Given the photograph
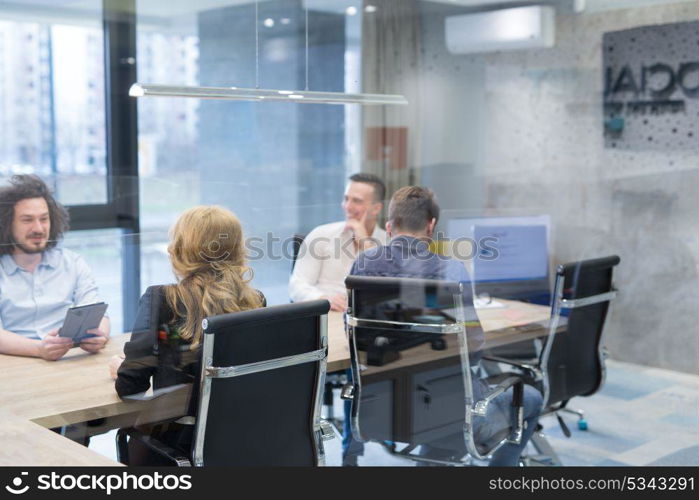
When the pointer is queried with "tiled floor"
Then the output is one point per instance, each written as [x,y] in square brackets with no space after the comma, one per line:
[642,416]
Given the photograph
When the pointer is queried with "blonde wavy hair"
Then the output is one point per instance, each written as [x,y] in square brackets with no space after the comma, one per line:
[207,253]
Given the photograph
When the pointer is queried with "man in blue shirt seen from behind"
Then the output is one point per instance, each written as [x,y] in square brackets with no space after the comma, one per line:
[39,282]
[413,213]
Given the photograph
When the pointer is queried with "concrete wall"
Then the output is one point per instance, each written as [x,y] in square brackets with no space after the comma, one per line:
[529,126]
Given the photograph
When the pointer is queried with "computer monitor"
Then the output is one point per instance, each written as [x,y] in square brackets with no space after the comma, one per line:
[511,258]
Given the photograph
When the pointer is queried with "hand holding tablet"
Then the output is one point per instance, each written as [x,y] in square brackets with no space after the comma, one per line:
[81,319]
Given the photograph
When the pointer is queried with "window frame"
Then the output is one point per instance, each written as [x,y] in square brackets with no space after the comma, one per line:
[121,128]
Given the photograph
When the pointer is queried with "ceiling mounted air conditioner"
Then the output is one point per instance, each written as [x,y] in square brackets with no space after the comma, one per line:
[505,29]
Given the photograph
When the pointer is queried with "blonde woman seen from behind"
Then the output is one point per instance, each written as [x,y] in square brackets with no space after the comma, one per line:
[207,253]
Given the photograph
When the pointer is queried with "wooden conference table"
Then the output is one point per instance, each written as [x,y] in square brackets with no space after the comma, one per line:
[36,395]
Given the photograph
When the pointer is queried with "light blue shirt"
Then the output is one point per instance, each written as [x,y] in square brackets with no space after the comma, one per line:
[32,304]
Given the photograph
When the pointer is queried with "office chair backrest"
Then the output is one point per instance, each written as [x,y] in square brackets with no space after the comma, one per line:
[260,387]
[380,310]
[575,365]
[392,297]
[296,242]
[412,362]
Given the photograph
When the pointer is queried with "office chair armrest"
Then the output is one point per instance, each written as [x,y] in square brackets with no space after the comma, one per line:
[161,449]
[480,407]
[534,370]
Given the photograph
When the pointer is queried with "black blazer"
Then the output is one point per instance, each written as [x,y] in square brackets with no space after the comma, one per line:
[150,353]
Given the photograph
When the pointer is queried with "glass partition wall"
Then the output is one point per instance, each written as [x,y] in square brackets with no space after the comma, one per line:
[564,135]
[517,136]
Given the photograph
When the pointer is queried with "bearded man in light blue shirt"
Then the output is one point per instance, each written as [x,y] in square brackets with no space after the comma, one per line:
[38,281]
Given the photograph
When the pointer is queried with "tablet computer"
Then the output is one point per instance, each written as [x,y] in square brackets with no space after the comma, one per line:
[81,319]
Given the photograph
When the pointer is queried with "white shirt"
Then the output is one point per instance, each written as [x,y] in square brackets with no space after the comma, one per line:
[324,261]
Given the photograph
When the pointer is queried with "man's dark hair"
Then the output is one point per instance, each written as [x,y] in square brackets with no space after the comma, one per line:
[412,208]
[376,183]
[24,187]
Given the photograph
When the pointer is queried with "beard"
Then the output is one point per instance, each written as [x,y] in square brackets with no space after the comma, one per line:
[31,249]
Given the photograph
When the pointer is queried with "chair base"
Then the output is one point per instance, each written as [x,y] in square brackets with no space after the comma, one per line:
[407,452]
[546,456]
[134,448]
[404,450]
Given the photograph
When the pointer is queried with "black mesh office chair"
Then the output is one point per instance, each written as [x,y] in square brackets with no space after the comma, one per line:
[260,390]
[416,380]
[571,363]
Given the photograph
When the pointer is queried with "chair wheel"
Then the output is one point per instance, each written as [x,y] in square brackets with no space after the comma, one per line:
[582,424]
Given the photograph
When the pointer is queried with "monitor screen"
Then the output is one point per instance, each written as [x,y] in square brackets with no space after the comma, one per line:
[509,248]
[514,253]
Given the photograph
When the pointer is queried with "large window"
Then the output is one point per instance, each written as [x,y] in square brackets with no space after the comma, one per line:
[64,117]
[52,95]
[280,167]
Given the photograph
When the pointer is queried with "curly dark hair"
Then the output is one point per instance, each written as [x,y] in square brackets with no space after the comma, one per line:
[22,187]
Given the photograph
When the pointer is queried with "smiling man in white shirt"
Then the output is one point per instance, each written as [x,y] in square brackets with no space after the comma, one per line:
[328,252]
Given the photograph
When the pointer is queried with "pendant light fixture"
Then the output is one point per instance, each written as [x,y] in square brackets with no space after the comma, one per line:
[258,94]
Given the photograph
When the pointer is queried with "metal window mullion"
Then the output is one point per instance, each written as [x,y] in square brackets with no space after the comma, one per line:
[119,22]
